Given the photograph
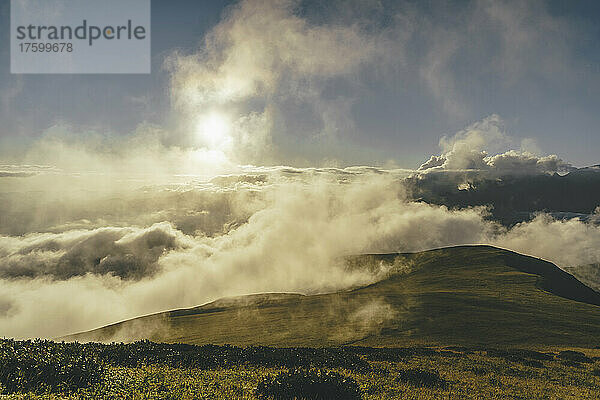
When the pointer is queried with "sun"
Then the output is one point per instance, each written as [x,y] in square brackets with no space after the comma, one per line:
[213,130]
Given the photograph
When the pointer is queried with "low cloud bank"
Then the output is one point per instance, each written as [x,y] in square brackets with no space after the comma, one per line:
[128,253]
[466,150]
[277,229]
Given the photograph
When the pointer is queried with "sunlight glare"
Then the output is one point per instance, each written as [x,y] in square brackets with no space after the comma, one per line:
[214,130]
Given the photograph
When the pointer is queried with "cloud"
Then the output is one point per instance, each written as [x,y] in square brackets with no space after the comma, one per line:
[283,85]
[123,272]
[280,229]
[497,44]
[466,150]
[144,152]
[24,171]
[289,82]
[515,162]
[124,252]
[269,70]
[569,243]
[5,174]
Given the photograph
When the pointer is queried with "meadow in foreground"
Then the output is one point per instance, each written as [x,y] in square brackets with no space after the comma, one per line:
[146,370]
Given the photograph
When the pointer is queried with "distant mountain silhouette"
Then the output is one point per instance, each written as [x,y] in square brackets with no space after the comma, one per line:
[513,198]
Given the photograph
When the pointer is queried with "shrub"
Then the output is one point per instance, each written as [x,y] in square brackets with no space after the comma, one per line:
[528,363]
[33,367]
[577,356]
[479,371]
[309,385]
[422,378]
[393,354]
[570,363]
[515,354]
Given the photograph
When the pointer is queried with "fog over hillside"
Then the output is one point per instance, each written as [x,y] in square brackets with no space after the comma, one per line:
[94,247]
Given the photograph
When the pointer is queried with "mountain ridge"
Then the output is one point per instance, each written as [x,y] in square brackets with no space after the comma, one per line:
[455,295]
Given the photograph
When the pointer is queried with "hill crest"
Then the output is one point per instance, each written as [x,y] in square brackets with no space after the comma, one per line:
[451,296]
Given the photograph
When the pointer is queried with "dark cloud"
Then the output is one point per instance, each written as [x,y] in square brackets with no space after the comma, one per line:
[123,252]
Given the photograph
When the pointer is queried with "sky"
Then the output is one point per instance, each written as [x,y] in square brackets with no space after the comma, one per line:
[423,69]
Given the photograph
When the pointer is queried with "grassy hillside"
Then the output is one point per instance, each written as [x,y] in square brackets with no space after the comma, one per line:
[468,295]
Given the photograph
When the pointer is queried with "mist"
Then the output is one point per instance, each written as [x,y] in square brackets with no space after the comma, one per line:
[275,229]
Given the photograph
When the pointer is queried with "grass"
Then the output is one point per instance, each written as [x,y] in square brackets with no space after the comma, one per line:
[405,373]
[468,295]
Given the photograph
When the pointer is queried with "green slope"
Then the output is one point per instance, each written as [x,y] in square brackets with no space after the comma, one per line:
[468,295]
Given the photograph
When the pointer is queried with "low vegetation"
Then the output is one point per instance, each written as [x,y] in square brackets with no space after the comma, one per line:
[37,367]
[147,370]
[422,378]
[310,385]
